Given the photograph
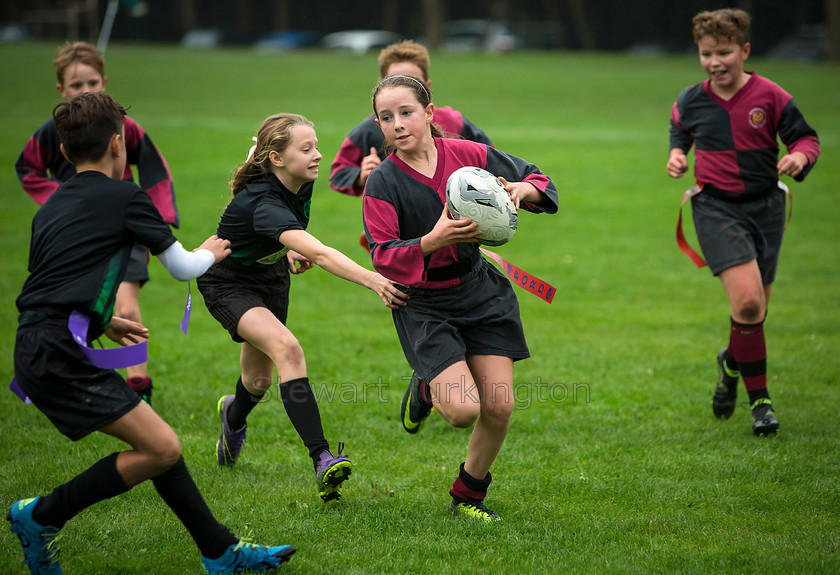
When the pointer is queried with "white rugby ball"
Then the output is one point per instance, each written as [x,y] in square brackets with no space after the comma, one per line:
[477,194]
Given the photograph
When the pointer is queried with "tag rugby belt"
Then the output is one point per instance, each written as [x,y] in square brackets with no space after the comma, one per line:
[699,187]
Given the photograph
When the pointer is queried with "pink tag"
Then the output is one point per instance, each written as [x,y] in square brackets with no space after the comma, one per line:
[543,290]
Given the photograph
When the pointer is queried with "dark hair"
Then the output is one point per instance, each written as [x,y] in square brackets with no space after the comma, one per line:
[274,135]
[86,124]
[732,23]
[418,88]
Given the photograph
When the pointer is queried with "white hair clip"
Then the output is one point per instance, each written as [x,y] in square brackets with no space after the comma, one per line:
[251,151]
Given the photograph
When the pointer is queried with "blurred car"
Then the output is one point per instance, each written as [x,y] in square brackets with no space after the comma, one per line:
[360,41]
[809,43]
[288,40]
[477,34]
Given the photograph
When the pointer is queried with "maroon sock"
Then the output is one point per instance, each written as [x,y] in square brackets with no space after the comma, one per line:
[425,394]
[139,384]
[747,347]
[468,488]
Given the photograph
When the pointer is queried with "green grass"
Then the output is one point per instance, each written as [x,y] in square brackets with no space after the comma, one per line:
[614,462]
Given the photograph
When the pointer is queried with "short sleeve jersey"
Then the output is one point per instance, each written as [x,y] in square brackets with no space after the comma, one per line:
[735,140]
[401,205]
[346,166]
[81,240]
[258,214]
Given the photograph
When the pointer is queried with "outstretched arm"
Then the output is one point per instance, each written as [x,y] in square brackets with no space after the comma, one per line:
[184,265]
[341,266]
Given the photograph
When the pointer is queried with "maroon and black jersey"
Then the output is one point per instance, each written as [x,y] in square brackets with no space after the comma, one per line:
[735,146]
[401,205]
[41,167]
[346,167]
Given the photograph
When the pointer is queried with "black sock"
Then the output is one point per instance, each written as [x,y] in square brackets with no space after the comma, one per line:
[729,361]
[98,482]
[302,409]
[469,488]
[756,394]
[178,490]
[243,403]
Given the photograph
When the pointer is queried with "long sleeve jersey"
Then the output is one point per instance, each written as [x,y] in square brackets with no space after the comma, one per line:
[401,205]
[42,168]
[346,167]
[735,146]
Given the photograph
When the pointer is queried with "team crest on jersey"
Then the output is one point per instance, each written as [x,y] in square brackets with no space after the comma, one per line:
[758,117]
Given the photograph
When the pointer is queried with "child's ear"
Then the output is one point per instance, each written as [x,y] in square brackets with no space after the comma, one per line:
[430,112]
[275,158]
[64,152]
[60,88]
[114,145]
[746,48]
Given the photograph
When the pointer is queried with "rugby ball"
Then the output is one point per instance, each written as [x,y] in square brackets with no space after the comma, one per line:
[477,194]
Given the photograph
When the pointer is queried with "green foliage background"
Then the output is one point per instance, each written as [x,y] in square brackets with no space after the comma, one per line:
[614,462]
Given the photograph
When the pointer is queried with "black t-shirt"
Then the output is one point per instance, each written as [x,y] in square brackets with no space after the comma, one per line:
[257,215]
[81,240]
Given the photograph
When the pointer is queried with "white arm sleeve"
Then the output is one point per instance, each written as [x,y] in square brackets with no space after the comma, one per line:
[184,265]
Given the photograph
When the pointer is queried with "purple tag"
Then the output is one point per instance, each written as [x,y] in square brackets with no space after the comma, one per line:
[187,310]
[106,358]
[15,388]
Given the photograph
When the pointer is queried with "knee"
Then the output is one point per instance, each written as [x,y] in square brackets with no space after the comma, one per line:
[167,452]
[258,385]
[750,309]
[497,410]
[463,415]
[287,350]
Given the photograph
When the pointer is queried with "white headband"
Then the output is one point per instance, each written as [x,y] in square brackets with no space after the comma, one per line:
[416,80]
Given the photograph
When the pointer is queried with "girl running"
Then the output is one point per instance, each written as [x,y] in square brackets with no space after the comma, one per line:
[248,293]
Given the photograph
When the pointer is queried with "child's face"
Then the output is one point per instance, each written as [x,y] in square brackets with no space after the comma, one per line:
[80,78]
[404,121]
[723,61]
[300,158]
[405,69]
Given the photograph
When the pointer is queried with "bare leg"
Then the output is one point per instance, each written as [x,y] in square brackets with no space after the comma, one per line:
[127,305]
[488,404]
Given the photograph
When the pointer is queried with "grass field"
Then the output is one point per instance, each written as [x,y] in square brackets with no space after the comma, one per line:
[614,462]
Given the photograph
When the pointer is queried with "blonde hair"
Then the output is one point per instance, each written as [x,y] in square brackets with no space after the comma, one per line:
[732,23]
[275,135]
[73,52]
[406,51]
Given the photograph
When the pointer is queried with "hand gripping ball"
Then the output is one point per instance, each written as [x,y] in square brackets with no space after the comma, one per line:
[477,194]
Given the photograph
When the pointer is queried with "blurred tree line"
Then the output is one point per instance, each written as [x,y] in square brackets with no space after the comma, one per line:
[540,24]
